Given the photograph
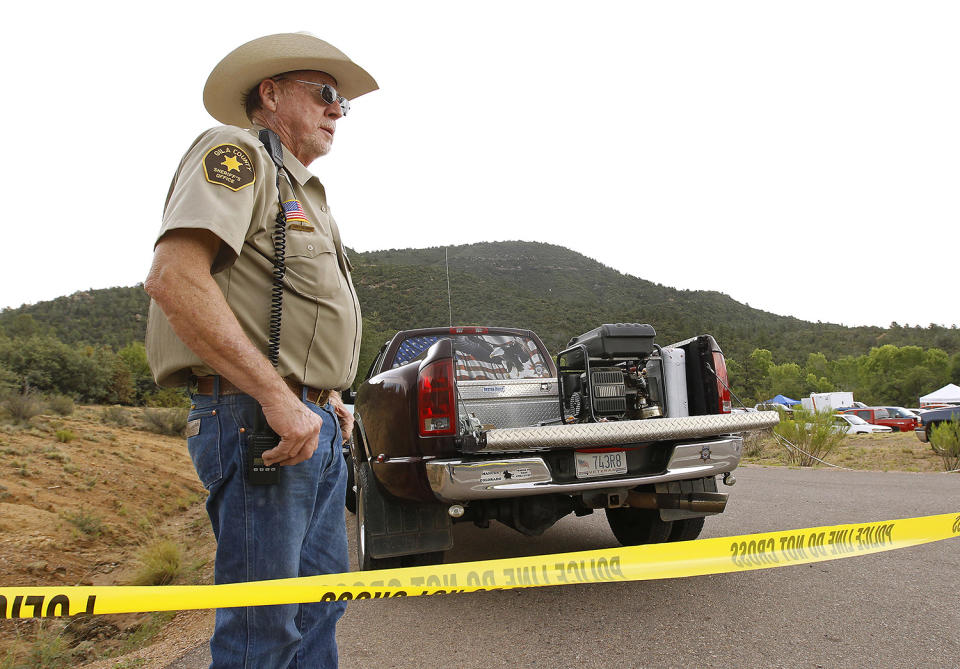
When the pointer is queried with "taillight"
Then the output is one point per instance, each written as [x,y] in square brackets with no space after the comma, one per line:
[469,330]
[723,384]
[435,400]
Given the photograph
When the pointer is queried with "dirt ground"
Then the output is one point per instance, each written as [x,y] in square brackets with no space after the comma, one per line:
[82,498]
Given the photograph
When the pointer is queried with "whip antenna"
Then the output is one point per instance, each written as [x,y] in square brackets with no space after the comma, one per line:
[446,264]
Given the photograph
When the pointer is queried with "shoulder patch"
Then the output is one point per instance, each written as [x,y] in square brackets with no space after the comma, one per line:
[229,166]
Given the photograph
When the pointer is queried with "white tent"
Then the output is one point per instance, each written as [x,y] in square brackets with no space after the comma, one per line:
[949,394]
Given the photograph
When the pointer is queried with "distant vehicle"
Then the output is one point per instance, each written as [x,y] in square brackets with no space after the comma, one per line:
[880,416]
[852,424]
[934,417]
[900,412]
[827,401]
[773,406]
[927,407]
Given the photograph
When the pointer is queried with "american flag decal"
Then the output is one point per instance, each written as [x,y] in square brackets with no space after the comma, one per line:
[294,211]
[468,368]
[501,353]
[412,349]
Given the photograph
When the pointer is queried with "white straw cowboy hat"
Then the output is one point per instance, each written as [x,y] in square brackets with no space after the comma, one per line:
[249,64]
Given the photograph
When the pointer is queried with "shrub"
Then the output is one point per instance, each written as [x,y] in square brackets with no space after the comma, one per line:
[945,442]
[168,397]
[8,381]
[166,421]
[754,443]
[65,436]
[88,523]
[22,406]
[51,650]
[116,415]
[810,436]
[160,564]
[61,404]
[52,453]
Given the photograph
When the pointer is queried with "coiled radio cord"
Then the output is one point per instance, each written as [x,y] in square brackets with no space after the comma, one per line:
[279,272]
[275,150]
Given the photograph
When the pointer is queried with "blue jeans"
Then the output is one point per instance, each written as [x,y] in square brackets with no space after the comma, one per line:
[294,528]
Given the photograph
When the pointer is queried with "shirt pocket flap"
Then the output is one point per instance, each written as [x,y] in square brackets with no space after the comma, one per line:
[312,269]
[308,246]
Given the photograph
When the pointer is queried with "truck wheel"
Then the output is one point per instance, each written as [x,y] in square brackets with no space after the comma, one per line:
[633,527]
[350,499]
[363,477]
[686,529]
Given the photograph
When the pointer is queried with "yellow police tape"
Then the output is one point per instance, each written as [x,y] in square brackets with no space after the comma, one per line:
[636,563]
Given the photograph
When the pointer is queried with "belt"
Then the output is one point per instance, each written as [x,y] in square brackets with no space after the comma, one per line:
[314,395]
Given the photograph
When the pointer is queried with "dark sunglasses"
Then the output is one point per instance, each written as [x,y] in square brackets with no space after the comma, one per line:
[327,93]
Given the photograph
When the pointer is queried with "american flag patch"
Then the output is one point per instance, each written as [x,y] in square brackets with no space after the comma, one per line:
[294,211]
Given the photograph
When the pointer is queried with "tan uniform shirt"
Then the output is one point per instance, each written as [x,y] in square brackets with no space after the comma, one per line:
[226,183]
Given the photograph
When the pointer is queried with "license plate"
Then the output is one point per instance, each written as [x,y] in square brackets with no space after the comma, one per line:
[590,465]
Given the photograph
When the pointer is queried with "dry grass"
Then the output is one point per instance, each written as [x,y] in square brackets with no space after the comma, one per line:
[171,422]
[893,451]
[160,564]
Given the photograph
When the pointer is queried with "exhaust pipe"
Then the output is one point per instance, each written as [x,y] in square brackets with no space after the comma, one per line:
[701,502]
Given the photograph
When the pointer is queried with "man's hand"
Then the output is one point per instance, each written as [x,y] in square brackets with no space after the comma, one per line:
[298,428]
[344,414]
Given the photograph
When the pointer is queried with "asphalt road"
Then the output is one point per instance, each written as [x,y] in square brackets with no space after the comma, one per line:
[894,609]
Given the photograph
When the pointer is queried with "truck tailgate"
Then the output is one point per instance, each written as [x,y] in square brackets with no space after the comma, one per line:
[549,437]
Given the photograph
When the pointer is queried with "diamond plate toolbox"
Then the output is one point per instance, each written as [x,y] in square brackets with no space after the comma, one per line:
[511,402]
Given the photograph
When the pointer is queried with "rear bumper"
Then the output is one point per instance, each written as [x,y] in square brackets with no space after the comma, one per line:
[465,480]
[921,433]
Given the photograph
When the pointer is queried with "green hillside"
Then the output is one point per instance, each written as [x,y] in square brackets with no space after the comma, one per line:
[550,289]
[560,293]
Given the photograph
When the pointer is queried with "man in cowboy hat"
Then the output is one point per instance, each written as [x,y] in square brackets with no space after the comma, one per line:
[211,281]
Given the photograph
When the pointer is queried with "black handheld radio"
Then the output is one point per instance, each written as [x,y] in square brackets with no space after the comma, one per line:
[264,438]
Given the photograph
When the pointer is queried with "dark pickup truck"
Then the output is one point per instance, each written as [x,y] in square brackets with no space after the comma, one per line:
[480,424]
[928,419]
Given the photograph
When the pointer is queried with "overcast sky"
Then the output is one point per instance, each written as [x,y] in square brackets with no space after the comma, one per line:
[802,157]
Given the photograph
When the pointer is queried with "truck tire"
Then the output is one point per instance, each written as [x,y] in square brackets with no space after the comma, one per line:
[633,527]
[686,529]
[350,499]
[365,561]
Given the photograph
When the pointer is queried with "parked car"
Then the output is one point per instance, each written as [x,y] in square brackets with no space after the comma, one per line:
[934,417]
[901,412]
[880,416]
[852,424]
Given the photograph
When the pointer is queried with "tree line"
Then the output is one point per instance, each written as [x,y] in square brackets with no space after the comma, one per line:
[88,374]
[95,336]
[887,375]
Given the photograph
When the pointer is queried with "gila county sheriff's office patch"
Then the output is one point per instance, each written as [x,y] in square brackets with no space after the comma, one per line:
[228,166]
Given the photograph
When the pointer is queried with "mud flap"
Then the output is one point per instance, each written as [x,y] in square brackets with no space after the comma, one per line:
[395,528]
